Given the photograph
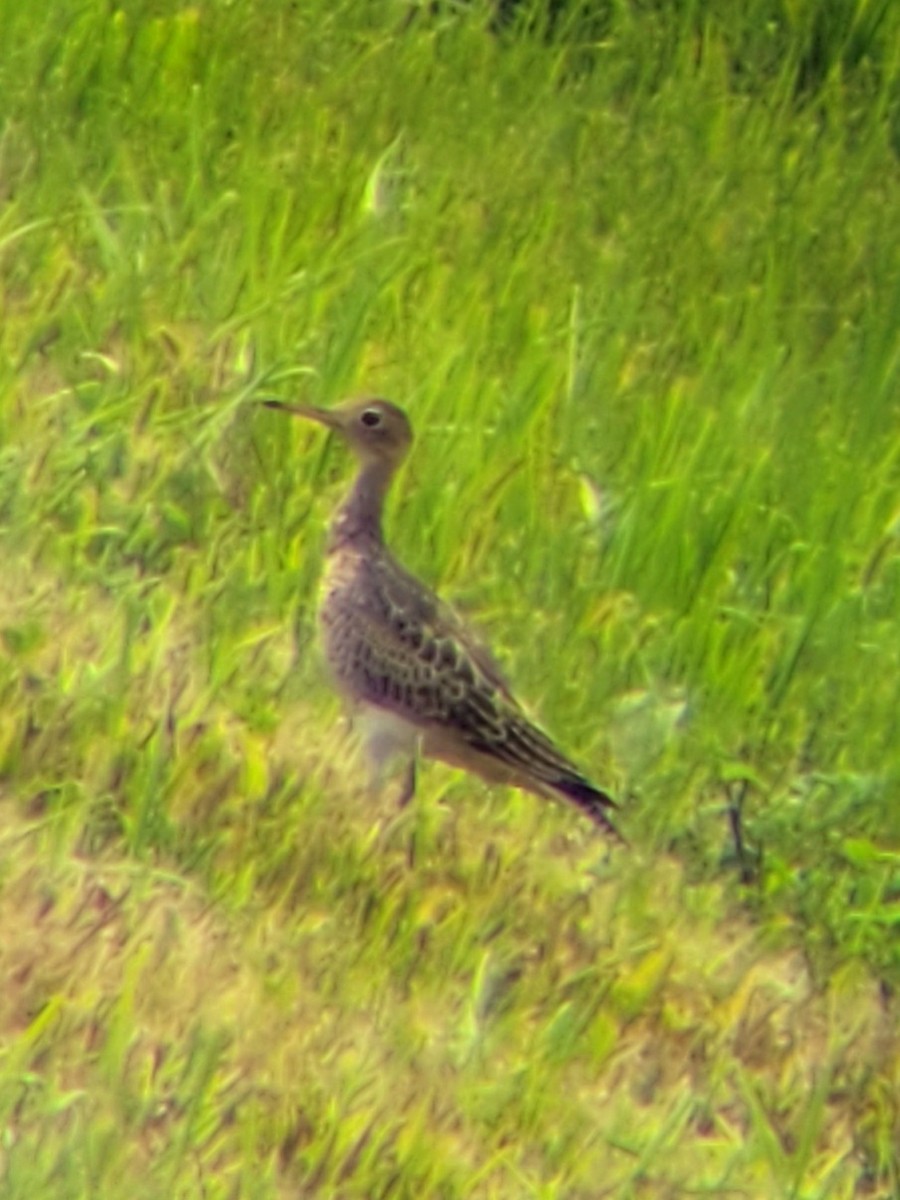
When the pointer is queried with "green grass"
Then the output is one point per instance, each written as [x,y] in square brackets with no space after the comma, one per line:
[640,295]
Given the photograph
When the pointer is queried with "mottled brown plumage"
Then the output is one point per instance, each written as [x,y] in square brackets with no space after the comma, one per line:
[402,658]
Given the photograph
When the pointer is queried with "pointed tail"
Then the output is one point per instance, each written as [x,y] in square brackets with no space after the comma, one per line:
[591,800]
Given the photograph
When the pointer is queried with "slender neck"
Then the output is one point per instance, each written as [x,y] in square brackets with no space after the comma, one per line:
[359,516]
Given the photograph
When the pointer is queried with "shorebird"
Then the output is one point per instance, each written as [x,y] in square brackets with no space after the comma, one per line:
[402,658]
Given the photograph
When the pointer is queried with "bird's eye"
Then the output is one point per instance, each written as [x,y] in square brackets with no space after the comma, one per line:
[371,417]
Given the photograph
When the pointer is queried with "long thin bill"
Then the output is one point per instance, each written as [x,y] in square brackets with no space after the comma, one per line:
[323,415]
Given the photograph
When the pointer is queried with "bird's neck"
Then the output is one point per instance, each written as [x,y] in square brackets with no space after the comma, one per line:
[359,517]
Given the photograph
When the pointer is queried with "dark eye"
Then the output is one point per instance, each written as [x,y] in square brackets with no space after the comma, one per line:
[371,417]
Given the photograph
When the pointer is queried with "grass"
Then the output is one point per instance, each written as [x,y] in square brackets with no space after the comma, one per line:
[640,296]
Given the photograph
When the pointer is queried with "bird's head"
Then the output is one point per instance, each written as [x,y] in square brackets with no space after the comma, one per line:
[375,430]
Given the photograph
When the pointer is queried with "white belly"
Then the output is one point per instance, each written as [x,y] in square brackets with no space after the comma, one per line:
[385,736]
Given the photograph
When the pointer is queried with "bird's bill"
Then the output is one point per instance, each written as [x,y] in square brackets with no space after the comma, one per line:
[324,416]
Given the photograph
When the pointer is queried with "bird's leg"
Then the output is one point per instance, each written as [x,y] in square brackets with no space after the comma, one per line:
[409,782]
[387,738]
[382,746]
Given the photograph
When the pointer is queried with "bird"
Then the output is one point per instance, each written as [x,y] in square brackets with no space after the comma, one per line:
[416,678]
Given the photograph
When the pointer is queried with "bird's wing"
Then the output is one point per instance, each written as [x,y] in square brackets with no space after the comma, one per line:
[409,659]
[417,658]
[410,603]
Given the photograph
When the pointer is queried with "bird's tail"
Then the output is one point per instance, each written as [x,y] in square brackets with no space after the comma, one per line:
[591,800]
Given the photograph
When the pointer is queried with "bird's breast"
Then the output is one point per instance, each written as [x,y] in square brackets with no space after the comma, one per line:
[348,621]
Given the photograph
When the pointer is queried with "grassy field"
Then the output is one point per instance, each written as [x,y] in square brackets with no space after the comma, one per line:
[639,289]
